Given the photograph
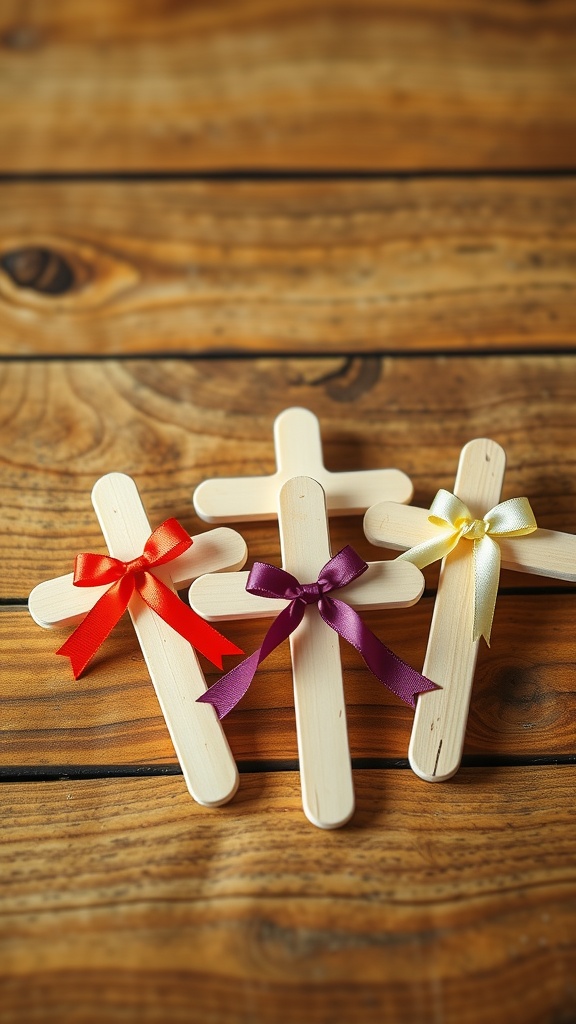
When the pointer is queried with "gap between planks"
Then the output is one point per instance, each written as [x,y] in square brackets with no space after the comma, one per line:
[80,772]
[214,354]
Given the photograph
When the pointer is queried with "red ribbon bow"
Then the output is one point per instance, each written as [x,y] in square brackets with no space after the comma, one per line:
[167,542]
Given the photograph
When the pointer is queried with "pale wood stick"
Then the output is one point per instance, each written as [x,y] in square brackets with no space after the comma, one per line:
[207,764]
[383,585]
[439,725]
[201,746]
[440,721]
[58,602]
[441,716]
[542,553]
[298,447]
[322,735]
[325,769]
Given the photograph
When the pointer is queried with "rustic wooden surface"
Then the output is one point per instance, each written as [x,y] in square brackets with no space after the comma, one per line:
[125,896]
[408,273]
[287,84]
[299,266]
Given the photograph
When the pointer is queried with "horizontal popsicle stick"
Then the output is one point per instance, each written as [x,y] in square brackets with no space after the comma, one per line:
[58,603]
[542,553]
[384,584]
[298,447]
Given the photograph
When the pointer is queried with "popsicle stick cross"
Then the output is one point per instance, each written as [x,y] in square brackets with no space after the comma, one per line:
[298,448]
[200,744]
[325,769]
[440,721]
[321,724]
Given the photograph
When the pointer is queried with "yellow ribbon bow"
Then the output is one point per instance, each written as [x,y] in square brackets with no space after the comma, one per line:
[513,518]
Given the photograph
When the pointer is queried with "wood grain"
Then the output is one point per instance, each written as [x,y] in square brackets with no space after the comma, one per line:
[135,267]
[123,898]
[523,699]
[291,84]
[171,424]
[120,899]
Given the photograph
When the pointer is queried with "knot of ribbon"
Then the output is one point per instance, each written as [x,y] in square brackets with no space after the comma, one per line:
[270,581]
[513,518]
[167,542]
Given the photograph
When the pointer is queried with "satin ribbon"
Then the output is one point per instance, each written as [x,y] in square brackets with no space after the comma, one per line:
[269,581]
[167,542]
[513,518]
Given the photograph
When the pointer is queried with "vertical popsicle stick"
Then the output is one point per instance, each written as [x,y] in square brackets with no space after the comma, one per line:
[298,448]
[439,728]
[325,769]
[440,720]
[201,746]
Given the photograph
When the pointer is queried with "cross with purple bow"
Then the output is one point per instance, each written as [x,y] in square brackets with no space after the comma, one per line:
[311,593]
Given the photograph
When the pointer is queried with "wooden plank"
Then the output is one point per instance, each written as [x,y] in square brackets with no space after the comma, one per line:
[135,267]
[523,699]
[121,898]
[174,423]
[287,85]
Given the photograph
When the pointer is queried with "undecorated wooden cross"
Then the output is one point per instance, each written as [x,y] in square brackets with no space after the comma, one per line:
[325,769]
[298,448]
[440,721]
[199,741]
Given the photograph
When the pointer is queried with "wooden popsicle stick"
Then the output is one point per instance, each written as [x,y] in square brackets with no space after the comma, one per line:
[325,769]
[383,585]
[58,603]
[440,721]
[298,448]
[327,792]
[207,764]
[390,525]
[439,724]
[542,553]
[439,727]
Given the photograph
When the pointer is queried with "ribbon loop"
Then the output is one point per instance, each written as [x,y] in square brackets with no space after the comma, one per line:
[95,570]
[267,581]
[512,518]
[167,542]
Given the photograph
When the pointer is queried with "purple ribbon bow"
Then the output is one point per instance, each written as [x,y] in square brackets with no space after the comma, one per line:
[270,581]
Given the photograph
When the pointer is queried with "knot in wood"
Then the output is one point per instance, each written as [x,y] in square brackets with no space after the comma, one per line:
[43,270]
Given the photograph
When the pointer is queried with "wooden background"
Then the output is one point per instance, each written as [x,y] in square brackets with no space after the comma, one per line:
[209,212]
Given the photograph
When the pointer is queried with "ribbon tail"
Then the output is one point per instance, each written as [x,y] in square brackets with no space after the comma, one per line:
[486,579]
[82,644]
[225,694]
[399,677]
[199,633]
[431,550]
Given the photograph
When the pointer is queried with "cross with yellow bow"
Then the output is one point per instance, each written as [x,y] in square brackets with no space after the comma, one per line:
[473,535]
